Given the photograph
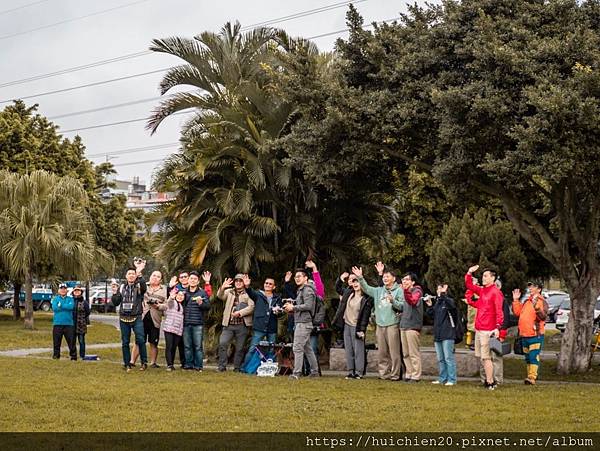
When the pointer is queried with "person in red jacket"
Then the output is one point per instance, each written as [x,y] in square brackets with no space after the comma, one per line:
[489,319]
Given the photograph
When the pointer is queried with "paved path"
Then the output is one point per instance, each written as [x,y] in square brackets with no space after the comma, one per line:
[30,351]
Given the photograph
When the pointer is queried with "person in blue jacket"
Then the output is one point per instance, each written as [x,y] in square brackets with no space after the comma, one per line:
[62,322]
[268,306]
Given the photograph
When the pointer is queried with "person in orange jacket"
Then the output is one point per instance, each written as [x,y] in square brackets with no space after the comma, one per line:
[532,314]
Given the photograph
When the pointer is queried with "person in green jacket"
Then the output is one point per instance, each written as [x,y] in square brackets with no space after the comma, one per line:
[386,319]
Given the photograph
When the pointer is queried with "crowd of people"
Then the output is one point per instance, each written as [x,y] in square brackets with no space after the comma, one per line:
[398,305]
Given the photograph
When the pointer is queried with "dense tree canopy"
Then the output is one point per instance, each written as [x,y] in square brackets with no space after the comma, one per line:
[496,98]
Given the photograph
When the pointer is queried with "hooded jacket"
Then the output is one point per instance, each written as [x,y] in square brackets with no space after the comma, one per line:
[384,313]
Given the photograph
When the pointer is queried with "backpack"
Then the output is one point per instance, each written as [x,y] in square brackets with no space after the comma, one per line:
[459,324]
[318,316]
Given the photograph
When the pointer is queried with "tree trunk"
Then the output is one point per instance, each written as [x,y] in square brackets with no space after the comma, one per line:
[17,301]
[28,302]
[575,352]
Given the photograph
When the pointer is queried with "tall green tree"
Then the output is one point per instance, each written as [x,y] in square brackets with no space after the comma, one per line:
[44,223]
[29,141]
[499,100]
[240,204]
[476,239]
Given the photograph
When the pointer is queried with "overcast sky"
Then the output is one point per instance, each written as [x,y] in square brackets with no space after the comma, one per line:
[32,45]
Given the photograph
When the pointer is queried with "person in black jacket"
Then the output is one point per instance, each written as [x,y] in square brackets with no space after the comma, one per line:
[267,307]
[352,316]
[445,320]
[81,315]
[195,306]
[130,296]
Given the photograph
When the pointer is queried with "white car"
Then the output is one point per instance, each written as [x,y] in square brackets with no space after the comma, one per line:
[562,316]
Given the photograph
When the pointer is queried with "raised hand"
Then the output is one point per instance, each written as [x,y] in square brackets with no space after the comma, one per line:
[206,275]
[310,264]
[516,294]
[173,281]
[246,279]
[357,271]
[227,283]
[344,276]
[288,276]
[139,265]
[473,269]
[379,266]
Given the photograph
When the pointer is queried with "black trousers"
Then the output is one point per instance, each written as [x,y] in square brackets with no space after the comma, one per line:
[69,333]
[181,351]
[171,345]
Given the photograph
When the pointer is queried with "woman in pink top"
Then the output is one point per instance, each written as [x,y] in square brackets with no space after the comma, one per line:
[173,324]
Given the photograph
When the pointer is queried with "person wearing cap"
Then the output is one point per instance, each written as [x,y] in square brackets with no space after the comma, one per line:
[532,313]
[237,318]
[62,322]
[129,297]
[81,315]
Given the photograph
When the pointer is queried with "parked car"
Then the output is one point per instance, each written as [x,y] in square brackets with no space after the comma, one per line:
[6,299]
[563,314]
[41,297]
[100,302]
[555,300]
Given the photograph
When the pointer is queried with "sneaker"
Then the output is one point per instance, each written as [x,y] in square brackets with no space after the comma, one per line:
[395,379]
[358,376]
[436,382]
[128,368]
[187,368]
[199,370]
[314,375]
[170,368]
[144,367]
[54,357]
[293,377]
[449,384]
[155,365]
[491,386]
[350,376]
[529,381]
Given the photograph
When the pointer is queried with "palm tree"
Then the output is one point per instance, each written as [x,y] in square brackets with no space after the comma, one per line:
[45,230]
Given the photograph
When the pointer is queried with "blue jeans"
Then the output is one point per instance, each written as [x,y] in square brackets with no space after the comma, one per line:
[138,330]
[257,337]
[192,343]
[446,362]
[81,339]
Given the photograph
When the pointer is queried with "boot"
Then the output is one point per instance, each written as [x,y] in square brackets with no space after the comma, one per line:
[531,374]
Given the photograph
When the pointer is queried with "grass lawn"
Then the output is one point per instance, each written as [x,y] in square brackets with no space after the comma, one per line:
[14,336]
[98,396]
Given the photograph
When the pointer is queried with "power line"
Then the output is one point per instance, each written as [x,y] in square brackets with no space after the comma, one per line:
[108,107]
[301,14]
[134,150]
[88,85]
[76,68]
[110,124]
[43,27]
[6,11]
[181,112]
[148,52]
[139,162]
